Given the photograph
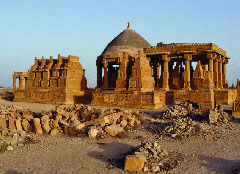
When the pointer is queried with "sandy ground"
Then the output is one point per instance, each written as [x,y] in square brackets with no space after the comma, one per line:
[67,155]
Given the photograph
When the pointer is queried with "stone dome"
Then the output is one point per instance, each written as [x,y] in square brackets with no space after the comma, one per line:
[127,41]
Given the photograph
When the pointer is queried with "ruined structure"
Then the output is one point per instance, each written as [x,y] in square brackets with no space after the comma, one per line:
[58,81]
[236,104]
[131,73]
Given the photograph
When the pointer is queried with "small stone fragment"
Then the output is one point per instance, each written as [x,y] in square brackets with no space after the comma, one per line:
[93,133]
[123,123]
[155,168]
[80,126]
[9,148]
[54,132]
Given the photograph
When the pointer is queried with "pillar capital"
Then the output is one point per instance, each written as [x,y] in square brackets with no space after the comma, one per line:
[21,77]
[187,57]
[222,60]
[165,58]
[211,55]
[218,58]
[104,62]
[226,61]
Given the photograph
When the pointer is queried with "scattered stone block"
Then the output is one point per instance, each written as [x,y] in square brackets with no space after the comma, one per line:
[134,163]
[45,121]
[123,123]
[3,122]
[114,129]
[37,126]
[28,117]
[26,126]
[11,124]
[9,148]
[54,132]
[80,126]
[93,133]
[18,125]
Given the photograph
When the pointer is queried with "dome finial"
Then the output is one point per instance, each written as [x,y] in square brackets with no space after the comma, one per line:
[128,25]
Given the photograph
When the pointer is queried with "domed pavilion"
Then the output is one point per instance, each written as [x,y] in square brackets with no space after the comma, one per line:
[132,73]
[127,44]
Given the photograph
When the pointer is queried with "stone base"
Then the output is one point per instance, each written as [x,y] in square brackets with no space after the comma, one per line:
[205,98]
[236,114]
[129,99]
[152,100]
[225,96]
[50,96]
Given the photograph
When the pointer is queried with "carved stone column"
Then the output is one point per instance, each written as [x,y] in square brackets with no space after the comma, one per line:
[99,75]
[165,75]
[158,74]
[105,75]
[215,73]
[220,72]
[14,83]
[211,56]
[21,81]
[187,75]
[224,73]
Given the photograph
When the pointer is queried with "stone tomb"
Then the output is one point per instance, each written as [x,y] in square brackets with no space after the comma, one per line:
[132,73]
[56,81]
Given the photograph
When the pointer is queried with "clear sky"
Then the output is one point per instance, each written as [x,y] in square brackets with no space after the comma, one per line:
[30,28]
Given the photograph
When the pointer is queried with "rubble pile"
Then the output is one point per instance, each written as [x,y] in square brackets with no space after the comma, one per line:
[182,110]
[70,120]
[184,120]
[151,158]
[11,139]
[217,116]
[12,134]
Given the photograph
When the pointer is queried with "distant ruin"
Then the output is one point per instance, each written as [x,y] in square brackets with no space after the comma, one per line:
[131,73]
[57,81]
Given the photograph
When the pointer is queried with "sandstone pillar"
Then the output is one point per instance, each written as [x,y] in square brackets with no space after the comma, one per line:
[165,84]
[158,71]
[215,73]
[99,75]
[105,75]
[21,81]
[14,82]
[187,75]
[211,56]
[122,82]
[220,70]
[224,73]
[26,82]
[158,74]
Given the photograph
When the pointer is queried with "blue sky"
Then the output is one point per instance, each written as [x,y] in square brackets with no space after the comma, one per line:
[47,27]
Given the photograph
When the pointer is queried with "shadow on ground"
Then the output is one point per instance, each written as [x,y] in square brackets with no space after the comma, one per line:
[6,95]
[220,165]
[113,153]
[12,172]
